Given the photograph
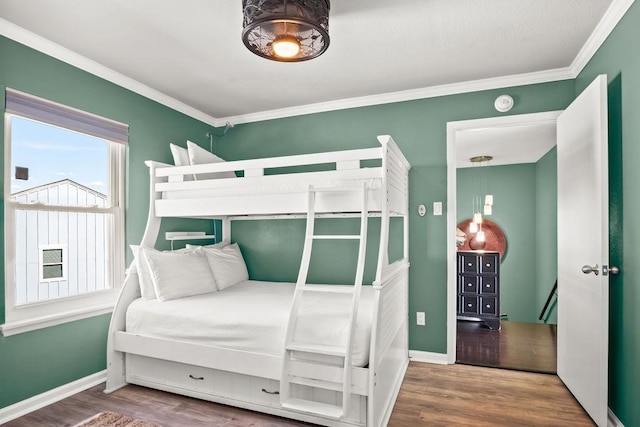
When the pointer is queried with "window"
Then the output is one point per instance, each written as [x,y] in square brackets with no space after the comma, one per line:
[53,263]
[64,213]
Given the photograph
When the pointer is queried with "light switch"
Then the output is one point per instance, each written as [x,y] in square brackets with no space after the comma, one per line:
[437,208]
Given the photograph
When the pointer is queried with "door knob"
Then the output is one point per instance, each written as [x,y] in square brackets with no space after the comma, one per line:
[613,270]
[588,269]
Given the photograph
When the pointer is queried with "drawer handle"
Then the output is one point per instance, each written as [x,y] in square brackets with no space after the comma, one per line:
[264,390]
[488,265]
[469,264]
[469,305]
[488,286]
[488,306]
[196,378]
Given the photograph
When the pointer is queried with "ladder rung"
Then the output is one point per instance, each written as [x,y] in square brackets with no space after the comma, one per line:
[310,382]
[311,407]
[335,289]
[336,236]
[329,350]
[335,189]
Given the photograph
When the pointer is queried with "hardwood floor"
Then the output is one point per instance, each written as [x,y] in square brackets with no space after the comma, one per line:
[461,396]
[522,346]
[431,395]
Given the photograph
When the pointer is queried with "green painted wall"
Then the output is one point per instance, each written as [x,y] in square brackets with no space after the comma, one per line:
[38,361]
[514,210]
[419,128]
[546,233]
[618,58]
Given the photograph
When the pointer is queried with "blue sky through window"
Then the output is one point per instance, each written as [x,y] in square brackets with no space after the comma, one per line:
[52,154]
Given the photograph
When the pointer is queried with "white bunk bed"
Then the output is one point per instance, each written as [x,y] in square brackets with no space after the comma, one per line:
[254,379]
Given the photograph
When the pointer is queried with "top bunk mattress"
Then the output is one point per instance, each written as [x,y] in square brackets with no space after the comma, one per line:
[252,316]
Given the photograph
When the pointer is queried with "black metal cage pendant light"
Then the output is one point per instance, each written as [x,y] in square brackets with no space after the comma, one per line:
[286,30]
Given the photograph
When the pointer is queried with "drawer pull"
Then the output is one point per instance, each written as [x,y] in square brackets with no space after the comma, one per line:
[469,264]
[488,305]
[488,265]
[196,378]
[264,390]
[488,286]
[469,305]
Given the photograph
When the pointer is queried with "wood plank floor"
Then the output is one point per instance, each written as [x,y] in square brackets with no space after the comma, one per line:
[528,347]
[431,395]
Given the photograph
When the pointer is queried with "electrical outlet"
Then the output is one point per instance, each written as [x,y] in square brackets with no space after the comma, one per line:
[420,318]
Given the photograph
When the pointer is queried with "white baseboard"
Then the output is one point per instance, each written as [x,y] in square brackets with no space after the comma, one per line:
[613,421]
[52,396]
[428,357]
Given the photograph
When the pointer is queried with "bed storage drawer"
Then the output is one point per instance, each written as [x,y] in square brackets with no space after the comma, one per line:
[141,370]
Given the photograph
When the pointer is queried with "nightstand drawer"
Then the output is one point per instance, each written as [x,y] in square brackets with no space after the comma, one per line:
[468,264]
[469,305]
[488,305]
[488,285]
[489,263]
[468,284]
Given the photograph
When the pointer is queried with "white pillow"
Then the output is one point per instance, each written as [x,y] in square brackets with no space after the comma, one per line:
[180,274]
[221,244]
[147,291]
[181,158]
[228,265]
[200,156]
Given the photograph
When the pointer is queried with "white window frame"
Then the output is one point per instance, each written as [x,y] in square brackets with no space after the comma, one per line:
[32,316]
[42,264]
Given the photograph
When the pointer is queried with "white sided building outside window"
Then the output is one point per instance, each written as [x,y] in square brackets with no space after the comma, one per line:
[64,213]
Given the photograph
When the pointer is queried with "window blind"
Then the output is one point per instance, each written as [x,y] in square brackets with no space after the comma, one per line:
[36,108]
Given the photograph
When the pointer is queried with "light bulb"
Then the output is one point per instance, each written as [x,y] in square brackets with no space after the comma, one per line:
[286,47]
[480,236]
[473,227]
[477,218]
[488,199]
[487,209]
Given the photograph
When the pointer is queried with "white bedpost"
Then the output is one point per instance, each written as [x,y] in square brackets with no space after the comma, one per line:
[226,229]
[116,370]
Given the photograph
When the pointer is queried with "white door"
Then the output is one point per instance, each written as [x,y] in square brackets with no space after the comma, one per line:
[583,242]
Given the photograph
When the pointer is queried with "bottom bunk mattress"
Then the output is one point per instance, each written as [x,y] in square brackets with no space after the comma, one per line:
[253,316]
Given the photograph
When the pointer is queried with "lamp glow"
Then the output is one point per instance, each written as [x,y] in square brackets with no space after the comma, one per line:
[480,236]
[477,218]
[473,227]
[487,209]
[488,199]
[286,47]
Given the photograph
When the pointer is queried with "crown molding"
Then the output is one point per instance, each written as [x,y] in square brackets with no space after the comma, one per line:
[408,95]
[39,43]
[609,20]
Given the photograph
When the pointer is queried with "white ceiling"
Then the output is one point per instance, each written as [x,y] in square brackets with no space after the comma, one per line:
[518,143]
[189,53]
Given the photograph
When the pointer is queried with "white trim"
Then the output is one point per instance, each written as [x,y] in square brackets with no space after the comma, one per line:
[34,41]
[33,323]
[409,95]
[606,25]
[52,396]
[428,357]
[609,21]
[452,129]
[612,420]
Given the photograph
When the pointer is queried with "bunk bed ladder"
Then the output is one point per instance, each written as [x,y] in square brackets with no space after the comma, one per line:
[301,366]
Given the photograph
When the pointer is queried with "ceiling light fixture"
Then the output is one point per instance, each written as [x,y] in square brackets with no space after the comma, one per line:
[476,223]
[286,30]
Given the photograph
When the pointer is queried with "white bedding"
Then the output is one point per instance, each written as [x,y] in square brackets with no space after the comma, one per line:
[252,316]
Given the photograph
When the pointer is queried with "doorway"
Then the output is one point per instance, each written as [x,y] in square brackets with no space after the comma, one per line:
[516,144]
